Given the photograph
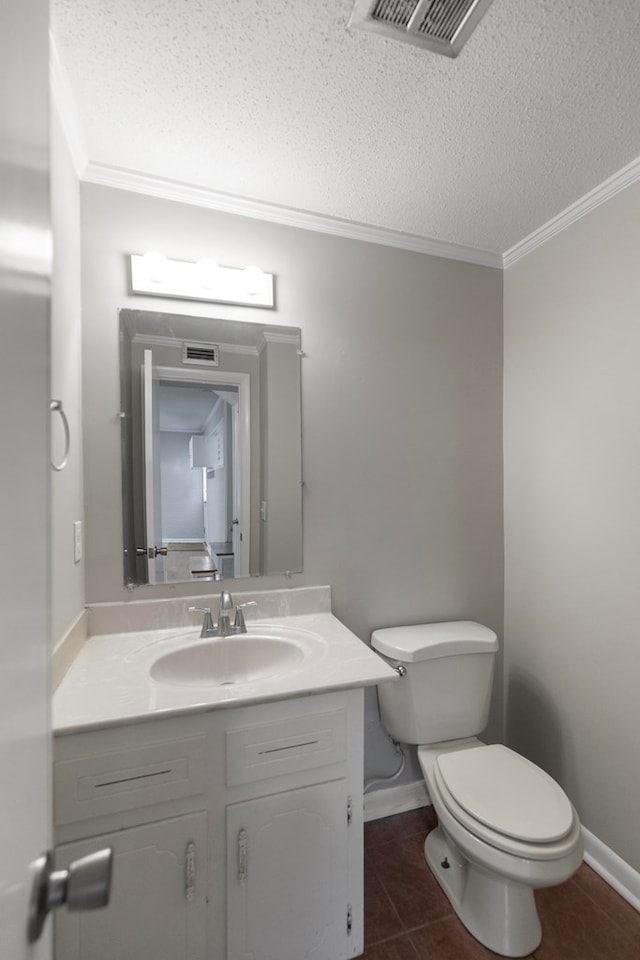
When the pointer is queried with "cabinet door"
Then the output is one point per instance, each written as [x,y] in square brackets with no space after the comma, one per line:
[157,909]
[287,875]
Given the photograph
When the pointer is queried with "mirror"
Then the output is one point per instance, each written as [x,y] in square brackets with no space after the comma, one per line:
[211,448]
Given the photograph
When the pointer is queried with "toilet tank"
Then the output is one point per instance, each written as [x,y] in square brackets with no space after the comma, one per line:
[446,692]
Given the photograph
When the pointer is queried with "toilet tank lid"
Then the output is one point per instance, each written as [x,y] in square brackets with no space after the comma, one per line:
[426,641]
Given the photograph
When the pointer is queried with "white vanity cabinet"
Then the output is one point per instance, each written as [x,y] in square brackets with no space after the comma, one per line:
[236,832]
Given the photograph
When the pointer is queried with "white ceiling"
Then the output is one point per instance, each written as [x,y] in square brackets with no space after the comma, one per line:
[278,101]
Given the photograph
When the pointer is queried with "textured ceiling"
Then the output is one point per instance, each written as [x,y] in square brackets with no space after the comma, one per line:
[278,101]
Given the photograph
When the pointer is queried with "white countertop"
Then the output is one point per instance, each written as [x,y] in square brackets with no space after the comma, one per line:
[110,684]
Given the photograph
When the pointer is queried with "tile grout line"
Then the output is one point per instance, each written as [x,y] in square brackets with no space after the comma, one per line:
[405,930]
[377,846]
[602,908]
[393,907]
[590,895]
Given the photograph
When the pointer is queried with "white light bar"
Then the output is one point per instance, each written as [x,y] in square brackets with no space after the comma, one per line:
[156,276]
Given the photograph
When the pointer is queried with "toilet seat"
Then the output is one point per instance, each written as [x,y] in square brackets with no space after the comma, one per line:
[507,793]
[503,799]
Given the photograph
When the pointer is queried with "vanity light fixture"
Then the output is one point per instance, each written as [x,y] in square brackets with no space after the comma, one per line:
[155,275]
[253,278]
[155,264]
[207,271]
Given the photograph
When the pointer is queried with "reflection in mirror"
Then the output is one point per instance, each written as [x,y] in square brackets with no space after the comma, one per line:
[211,448]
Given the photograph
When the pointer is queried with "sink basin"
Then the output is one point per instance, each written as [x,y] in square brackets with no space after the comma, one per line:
[229,660]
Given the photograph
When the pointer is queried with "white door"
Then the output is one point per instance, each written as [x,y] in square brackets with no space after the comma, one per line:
[149,453]
[237,539]
[25,802]
[241,481]
[25,280]
[25,269]
[241,455]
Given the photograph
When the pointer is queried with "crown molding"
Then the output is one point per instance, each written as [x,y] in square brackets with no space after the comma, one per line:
[63,102]
[106,175]
[111,176]
[600,194]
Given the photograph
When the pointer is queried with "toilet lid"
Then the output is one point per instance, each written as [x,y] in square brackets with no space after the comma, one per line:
[507,793]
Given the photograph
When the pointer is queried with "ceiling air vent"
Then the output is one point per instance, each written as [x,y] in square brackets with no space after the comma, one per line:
[207,354]
[443,26]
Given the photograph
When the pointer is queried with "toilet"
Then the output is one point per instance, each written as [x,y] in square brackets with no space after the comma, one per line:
[505,827]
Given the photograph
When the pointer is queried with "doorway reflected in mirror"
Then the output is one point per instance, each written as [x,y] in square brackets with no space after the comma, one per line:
[211,448]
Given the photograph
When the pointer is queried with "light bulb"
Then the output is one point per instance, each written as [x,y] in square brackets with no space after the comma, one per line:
[206,272]
[156,265]
[253,279]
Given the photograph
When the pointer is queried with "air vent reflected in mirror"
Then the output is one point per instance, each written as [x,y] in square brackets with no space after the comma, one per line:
[201,353]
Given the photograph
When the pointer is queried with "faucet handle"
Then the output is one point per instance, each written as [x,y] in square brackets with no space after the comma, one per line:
[207,624]
[239,622]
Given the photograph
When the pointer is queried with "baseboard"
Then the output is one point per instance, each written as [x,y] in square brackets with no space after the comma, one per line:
[399,799]
[612,868]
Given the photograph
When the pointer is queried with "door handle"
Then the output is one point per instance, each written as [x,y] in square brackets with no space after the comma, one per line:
[152,552]
[86,885]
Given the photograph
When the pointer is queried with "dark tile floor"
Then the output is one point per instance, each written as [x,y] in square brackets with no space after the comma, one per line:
[407,916]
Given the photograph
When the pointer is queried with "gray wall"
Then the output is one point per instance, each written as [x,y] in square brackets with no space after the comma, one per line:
[67,577]
[401,407]
[572,514]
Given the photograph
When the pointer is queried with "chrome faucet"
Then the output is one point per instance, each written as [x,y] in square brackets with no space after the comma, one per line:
[226,605]
[224,627]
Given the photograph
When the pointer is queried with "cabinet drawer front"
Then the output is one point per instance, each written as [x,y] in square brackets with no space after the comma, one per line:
[274,749]
[114,782]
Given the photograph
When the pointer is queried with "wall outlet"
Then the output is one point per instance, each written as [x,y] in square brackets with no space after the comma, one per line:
[77,541]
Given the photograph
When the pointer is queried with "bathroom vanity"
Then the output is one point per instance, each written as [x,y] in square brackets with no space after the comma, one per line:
[234,808]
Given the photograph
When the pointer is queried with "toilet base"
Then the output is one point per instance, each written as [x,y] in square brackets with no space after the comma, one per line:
[500,913]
